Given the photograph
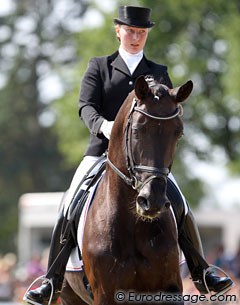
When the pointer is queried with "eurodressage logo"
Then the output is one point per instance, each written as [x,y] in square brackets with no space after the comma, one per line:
[160,297]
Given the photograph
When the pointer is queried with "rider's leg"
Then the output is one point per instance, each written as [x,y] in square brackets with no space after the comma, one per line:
[56,275]
[198,266]
[189,231]
[43,293]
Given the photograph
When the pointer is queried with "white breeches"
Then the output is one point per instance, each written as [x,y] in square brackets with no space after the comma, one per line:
[82,169]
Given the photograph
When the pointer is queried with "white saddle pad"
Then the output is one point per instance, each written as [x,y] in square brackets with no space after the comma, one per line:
[74,262]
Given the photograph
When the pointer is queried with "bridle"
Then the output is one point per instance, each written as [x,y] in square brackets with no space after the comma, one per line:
[132,168]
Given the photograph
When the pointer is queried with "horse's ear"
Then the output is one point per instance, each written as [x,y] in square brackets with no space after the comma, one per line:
[182,93]
[141,88]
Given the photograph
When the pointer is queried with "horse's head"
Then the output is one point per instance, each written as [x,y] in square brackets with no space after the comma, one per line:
[152,130]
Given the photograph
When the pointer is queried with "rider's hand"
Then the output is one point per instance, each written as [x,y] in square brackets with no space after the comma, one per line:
[106,128]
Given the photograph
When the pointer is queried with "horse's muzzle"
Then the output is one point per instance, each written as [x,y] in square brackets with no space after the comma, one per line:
[152,199]
[144,210]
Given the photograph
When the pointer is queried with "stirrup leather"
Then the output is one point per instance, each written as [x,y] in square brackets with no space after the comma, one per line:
[46,280]
[210,269]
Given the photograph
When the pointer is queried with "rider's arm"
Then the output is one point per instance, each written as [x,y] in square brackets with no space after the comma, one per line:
[90,98]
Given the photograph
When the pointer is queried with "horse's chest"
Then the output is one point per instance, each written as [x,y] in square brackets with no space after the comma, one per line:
[145,252]
[132,255]
[135,264]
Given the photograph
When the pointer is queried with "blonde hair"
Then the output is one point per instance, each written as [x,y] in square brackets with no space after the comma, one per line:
[116,26]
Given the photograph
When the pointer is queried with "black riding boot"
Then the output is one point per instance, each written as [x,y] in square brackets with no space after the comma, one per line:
[55,272]
[61,246]
[191,245]
[189,240]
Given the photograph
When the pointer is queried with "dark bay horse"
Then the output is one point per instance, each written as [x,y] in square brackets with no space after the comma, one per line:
[130,247]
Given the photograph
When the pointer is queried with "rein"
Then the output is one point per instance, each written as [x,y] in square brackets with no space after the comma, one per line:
[132,168]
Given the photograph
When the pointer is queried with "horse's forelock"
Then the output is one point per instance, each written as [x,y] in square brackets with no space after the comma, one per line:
[150,81]
[161,90]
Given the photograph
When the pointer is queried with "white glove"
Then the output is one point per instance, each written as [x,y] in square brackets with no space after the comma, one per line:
[106,128]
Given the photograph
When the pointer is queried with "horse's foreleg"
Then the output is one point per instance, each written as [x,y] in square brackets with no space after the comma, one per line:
[69,297]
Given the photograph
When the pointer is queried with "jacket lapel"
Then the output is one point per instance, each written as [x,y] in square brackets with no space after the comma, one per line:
[119,64]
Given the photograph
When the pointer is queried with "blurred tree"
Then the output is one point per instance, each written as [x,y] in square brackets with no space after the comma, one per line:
[36,44]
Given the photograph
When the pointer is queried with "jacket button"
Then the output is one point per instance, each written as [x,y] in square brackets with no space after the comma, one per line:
[130,83]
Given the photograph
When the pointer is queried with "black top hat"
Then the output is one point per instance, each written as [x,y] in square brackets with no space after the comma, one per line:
[134,16]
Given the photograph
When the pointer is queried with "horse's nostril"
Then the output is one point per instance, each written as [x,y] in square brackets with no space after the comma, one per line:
[167,205]
[142,201]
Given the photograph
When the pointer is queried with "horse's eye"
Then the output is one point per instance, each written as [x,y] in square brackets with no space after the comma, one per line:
[137,127]
[179,133]
[138,130]
[134,127]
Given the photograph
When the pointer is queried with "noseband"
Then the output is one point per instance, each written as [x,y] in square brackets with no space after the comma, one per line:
[132,168]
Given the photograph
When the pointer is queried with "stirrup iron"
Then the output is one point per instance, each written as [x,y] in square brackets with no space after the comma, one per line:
[211,268]
[48,281]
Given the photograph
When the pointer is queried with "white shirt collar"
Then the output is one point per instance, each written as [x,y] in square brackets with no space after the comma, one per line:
[131,60]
